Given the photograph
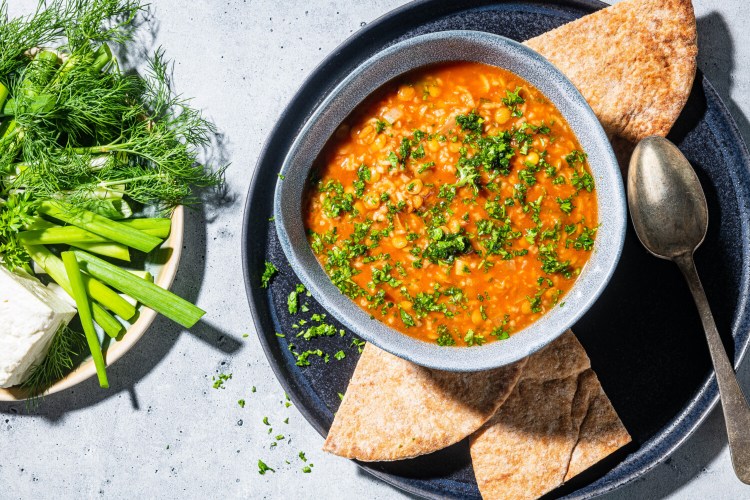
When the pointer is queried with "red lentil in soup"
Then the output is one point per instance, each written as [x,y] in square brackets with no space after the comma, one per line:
[454,205]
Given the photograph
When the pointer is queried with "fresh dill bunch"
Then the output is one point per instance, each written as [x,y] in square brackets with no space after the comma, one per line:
[100,21]
[66,351]
[20,34]
[153,136]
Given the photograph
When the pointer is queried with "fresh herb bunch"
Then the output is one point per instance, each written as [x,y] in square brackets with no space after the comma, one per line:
[75,128]
[81,142]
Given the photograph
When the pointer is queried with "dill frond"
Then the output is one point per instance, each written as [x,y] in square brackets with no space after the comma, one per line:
[65,352]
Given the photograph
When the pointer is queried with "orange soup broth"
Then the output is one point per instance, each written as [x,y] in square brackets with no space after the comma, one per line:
[442,237]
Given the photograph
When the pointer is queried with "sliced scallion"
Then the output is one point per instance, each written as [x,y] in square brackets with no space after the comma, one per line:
[83,304]
[104,295]
[54,235]
[102,226]
[145,292]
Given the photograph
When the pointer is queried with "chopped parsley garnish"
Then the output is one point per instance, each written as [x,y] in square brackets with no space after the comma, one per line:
[472,338]
[502,331]
[336,201]
[263,468]
[584,241]
[302,358]
[268,273]
[582,181]
[407,318]
[363,175]
[219,381]
[444,337]
[513,100]
[444,247]
[566,204]
[471,122]
[575,157]
[292,300]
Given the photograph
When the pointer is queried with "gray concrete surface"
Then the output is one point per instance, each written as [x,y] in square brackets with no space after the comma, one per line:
[162,431]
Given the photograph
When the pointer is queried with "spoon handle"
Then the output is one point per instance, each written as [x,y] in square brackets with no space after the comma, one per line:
[736,410]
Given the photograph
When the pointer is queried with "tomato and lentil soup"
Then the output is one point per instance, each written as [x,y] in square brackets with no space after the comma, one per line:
[455,205]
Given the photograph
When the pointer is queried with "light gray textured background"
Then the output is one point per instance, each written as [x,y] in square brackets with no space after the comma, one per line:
[162,430]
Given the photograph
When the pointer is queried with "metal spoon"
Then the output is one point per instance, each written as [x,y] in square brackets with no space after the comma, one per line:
[670,217]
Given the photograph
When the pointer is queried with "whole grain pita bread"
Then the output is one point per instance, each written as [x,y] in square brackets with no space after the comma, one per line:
[634,63]
[394,409]
[556,423]
[602,431]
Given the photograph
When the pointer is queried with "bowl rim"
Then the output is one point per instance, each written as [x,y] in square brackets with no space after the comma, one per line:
[135,331]
[612,207]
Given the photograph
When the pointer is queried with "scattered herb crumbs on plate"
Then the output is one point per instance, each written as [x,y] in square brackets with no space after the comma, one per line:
[341,396]
[268,273]
[279,437]
[302,456]
[359,344]
[280,335]
[241,402]
[263,468]
[219,381]
[245,335]
[293,299]
[265,421]
[253,389]
[286,420]
[340,355]
[306,469]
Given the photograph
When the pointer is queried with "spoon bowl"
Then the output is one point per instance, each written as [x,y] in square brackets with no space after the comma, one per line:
[665,198]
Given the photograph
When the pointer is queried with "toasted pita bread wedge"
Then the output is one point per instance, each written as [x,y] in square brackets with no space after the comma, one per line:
[394,409]
[556,423]
[634,63]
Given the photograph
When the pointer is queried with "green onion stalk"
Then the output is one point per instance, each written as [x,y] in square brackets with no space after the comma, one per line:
[83,304]
[54,267]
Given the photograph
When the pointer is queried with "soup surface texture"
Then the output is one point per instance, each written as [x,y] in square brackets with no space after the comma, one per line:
[454,205]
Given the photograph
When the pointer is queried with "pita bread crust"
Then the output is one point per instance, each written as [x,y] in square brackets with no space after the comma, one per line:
[556,423]
[601,432]
[520,455]
[394,409]
[563,358]
[634,63]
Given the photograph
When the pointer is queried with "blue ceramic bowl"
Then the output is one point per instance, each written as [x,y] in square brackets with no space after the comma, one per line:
[372,74]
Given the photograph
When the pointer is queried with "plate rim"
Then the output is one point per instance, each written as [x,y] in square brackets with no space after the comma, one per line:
[707,395]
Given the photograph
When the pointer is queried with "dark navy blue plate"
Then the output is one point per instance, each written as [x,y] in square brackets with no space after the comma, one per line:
[643,335]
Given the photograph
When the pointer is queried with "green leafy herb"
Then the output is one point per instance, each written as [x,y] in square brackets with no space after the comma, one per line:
[513,100]
[263,468]
[220,380]
[268,273]
[292,300]
[471,122]
[472,338]
[444,336]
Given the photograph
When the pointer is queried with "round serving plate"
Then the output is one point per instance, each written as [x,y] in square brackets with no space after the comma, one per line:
[162,263]
[643,335]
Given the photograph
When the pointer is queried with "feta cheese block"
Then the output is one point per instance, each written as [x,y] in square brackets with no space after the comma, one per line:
[30,315]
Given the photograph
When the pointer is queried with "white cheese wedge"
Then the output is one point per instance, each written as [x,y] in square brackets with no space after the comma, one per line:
[30,315]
